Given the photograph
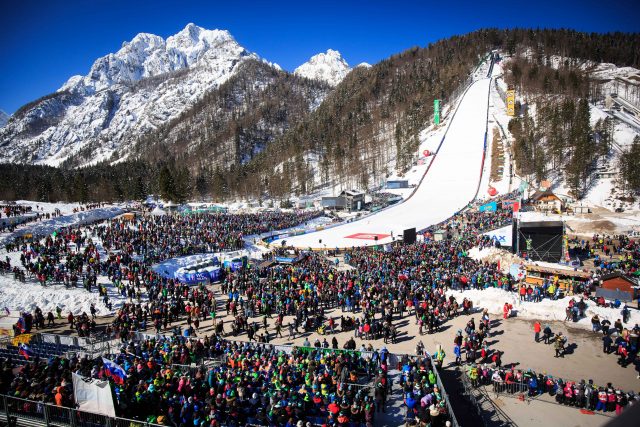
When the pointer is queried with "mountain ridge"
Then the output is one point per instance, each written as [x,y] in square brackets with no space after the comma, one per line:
[327,66]
[147,82]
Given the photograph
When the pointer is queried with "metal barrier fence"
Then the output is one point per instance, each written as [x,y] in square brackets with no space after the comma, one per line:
[471,396]
[445,397]
[28,413]
[502,387]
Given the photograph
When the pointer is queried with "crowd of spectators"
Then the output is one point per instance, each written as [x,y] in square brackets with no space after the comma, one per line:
[255,381]
[245,383]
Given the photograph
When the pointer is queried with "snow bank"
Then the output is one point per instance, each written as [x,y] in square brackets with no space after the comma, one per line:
[493,299]
[49,226]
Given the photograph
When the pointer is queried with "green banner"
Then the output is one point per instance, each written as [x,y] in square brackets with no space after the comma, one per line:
[436,111]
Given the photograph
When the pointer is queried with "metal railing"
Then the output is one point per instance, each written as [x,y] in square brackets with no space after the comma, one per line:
[512,387]
[28,413]
[471,396]
[445,397]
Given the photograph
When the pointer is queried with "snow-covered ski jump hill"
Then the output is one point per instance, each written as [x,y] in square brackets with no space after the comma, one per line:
[449,184]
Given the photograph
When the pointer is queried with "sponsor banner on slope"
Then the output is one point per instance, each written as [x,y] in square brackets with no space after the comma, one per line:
[501,235]
[367,236]
[489,207]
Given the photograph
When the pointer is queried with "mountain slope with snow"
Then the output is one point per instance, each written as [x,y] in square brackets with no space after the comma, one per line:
[329,67]
[146,83]
[4,118]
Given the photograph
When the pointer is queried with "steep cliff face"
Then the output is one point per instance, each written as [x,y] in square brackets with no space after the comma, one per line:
[145,84]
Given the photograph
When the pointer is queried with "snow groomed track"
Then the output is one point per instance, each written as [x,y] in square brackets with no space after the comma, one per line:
[449,185]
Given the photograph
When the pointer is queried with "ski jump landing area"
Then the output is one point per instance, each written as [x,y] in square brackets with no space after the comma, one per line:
[449,185]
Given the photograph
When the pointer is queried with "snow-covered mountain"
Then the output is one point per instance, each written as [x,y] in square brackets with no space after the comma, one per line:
[4,118]
[146,83]
[329,67]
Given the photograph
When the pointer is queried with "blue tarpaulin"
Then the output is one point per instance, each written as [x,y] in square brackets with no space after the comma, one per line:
[212,274]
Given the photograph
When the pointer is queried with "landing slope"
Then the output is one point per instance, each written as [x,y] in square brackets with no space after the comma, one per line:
[450,184]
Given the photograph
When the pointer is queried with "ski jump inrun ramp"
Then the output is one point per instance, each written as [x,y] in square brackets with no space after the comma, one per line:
[451,182]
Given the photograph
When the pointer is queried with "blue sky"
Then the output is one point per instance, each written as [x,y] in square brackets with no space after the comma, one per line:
[44,42]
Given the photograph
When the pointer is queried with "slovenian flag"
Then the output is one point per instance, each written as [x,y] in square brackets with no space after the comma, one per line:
[25,350]
[114,371]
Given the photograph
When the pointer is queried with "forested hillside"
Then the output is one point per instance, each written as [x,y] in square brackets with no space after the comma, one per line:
[234,122]
[555,137]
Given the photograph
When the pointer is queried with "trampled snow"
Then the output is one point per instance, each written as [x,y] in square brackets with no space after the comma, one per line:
[18,297]
[449,185]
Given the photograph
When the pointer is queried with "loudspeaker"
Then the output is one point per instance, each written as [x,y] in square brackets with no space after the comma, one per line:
[409,236]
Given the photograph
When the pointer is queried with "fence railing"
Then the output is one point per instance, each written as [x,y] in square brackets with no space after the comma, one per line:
[23,412]
[471,396]
[445,397]
[517,387]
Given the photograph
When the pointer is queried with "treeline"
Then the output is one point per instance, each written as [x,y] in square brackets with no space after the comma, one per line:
[560,141]
[529,76]
[629,170]
[552,77]
[616,47]
[132,180]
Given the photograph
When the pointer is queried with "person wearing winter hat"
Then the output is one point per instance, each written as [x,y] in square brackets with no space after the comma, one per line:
[434,413]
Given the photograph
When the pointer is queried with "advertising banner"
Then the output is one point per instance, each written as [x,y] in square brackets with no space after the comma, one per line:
[489,207]
[503,235]
[92,395]
[511,102]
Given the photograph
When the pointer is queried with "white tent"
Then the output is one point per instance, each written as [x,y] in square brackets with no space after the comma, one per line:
[158,212]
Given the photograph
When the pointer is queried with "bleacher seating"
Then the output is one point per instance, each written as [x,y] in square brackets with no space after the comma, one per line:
[42,350]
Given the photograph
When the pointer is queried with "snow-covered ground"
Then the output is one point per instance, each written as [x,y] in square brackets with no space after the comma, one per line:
[494,299]
[17,296]
[449,185]
[47,207]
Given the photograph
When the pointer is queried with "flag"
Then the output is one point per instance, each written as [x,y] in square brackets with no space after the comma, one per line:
[25,350]
[114,371]
[21,339]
